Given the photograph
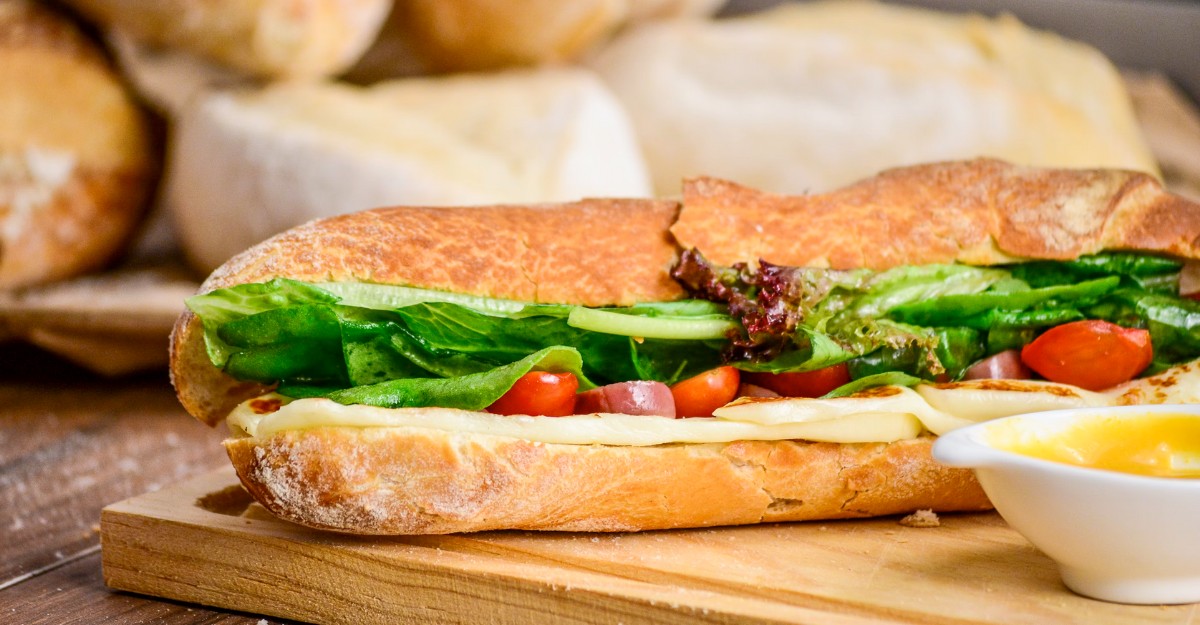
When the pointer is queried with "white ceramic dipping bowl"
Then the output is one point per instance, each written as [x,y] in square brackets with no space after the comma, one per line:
[1115,536]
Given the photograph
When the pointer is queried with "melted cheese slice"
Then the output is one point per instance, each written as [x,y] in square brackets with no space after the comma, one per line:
[982,400]
[883,414]
[603,429]
[777,410]
[951,407]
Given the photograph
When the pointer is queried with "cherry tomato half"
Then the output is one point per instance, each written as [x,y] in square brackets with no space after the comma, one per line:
[539,393]
[1090,354]
[699,396]
[802,383]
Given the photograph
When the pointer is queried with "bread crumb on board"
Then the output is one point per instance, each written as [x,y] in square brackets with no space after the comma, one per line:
[921,518]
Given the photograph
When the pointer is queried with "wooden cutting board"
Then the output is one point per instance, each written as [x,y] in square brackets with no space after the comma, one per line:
[203,541]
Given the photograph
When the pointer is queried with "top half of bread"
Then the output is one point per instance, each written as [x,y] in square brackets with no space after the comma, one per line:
[611,251]
[980,212]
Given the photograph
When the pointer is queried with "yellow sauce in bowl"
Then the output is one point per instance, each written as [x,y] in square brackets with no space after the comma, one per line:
[1159,445]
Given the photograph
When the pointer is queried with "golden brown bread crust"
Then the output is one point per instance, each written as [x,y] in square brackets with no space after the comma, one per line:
[417,481]
[203,390]
[77,161]
[977,212]
[593,252]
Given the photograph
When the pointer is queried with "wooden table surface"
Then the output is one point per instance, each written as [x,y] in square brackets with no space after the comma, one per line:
[70,443]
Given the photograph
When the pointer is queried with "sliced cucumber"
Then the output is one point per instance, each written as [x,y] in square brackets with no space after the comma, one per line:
[662,327]
[390,297]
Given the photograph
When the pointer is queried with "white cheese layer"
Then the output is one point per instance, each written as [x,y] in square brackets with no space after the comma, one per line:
[883,414]
[775,410]
[981,400]
[601,429]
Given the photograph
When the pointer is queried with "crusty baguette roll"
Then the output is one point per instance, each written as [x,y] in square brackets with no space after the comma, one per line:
[810,96]
[269,38]
[247,164]
[416,479]
[77,159]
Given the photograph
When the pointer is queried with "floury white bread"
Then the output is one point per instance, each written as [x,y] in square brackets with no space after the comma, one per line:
[248,164]
[808,97]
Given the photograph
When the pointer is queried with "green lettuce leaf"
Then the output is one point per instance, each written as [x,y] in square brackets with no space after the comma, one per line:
[956,310]
[474,391]
[891,378]
[929,322]
[905,285]
[299,335]
[1173,322]
[221,306]
[1143,271]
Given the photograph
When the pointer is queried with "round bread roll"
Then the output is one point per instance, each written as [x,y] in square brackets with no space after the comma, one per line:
[808,97]
[269,38]
[77,160]
[467,35]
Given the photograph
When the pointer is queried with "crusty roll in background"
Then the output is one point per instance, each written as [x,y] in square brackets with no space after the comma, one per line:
[473,35]
[268,38]
[596,252]
[77,158]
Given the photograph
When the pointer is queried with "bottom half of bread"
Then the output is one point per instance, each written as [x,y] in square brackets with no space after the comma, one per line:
[426,481]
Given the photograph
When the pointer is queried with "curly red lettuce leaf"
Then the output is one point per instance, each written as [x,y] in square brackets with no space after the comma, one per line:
[806,318]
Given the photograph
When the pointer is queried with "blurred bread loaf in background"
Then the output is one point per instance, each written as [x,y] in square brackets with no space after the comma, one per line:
[810,96]
[471,35]
[77,157]
[267,38]
[167,78]
[1170,122]
[245,164]
[804,97]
